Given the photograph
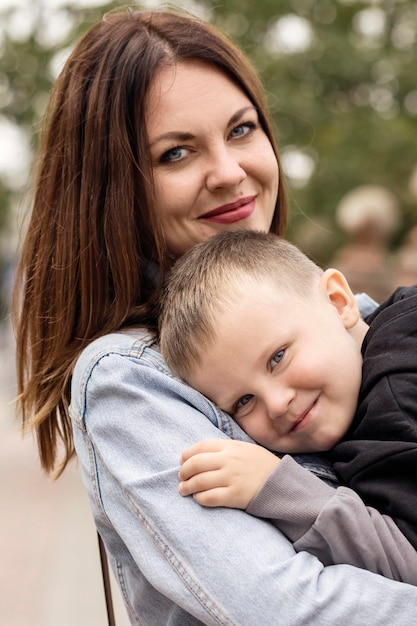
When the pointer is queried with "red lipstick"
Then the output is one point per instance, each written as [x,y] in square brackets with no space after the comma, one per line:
[232,212]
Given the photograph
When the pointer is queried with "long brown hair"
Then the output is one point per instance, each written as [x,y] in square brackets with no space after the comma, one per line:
[92,226]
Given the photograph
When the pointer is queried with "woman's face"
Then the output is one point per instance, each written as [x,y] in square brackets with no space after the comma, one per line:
[214,167]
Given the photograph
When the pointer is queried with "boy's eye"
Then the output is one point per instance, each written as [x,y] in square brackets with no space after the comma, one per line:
[242,401]
[277,357]
[243,129]
[173,154]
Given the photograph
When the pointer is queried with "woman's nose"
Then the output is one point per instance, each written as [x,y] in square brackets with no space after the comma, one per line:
[224,170]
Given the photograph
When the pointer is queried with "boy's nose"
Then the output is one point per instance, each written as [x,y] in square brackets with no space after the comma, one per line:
[278,401]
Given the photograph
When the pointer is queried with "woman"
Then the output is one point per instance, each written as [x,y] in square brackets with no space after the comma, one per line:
[157,137]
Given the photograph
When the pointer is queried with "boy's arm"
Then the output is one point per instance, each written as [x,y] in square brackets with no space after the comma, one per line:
[220,472]
[333,524]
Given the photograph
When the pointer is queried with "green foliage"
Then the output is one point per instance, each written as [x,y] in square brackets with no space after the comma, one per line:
[27,71]
[349,100]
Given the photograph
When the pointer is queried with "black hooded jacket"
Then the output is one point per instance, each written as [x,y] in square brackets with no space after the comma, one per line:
[378,457]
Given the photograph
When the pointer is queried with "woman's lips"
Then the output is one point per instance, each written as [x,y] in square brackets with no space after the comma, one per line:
[232,212]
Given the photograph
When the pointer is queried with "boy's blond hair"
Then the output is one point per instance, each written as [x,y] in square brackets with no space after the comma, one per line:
[204,280]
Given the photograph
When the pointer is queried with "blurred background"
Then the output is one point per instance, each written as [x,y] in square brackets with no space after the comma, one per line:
[341,81]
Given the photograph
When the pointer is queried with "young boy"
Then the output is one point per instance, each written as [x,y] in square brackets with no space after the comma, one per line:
[280,345]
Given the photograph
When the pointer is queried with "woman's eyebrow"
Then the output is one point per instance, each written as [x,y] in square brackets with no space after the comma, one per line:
[183,136]
[172,135]
[237,116]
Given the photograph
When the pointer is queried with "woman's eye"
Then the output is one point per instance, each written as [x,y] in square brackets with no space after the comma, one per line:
[278,356]
[173,154]
[243,129]
[243,401]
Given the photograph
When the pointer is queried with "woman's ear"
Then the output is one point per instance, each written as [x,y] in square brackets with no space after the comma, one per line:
[336,288]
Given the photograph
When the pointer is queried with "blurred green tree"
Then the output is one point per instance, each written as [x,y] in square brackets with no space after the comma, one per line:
[342,83]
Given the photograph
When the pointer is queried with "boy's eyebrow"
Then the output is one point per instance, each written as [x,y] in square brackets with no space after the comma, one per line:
[227,404]
[226,407]
[183,136]
[263,359]
[228,410]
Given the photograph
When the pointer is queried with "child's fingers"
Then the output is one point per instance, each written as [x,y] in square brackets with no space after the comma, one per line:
[204,481]
[199,462]
[208,445]
[213,497]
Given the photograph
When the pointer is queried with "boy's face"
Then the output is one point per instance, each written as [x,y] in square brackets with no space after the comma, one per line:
[286,369]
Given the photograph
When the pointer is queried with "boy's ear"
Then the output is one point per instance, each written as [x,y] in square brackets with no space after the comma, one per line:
[340,295]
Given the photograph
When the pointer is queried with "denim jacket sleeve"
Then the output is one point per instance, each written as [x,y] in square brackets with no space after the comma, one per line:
[178,563]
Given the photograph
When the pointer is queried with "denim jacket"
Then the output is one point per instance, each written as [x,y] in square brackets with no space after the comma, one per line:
[178,563]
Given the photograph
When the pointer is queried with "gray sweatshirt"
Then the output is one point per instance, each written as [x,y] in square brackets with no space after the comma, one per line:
[333,524]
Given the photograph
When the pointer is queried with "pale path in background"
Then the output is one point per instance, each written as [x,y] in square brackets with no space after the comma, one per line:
[50,570]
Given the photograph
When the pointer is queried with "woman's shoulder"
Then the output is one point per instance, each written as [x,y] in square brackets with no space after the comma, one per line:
[124,348]
[116,363]
[127,366]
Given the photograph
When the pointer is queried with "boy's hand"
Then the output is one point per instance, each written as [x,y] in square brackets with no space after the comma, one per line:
[222,472]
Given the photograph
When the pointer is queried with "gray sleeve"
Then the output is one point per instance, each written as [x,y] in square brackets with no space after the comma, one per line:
[333,524]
